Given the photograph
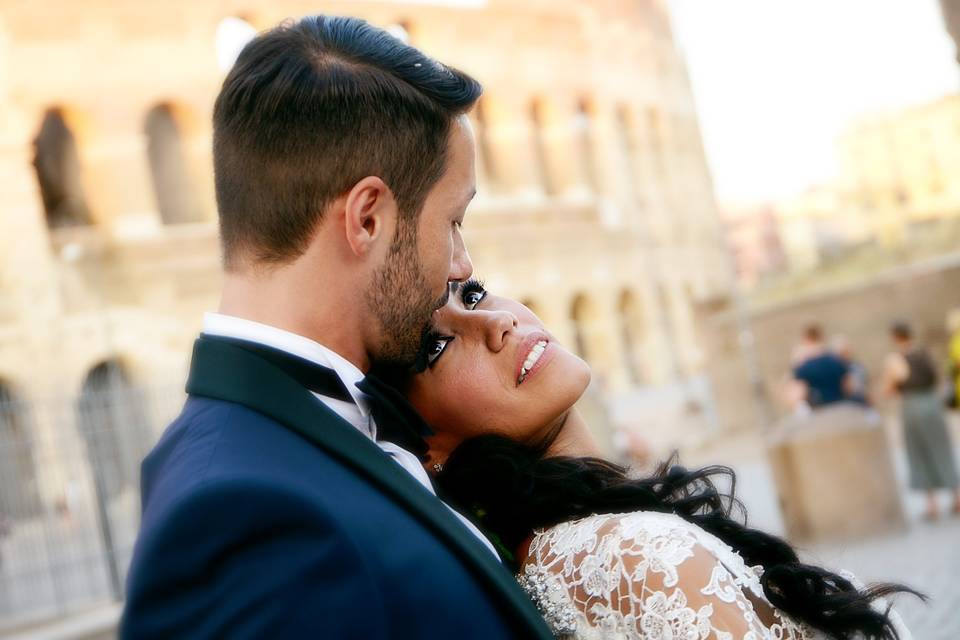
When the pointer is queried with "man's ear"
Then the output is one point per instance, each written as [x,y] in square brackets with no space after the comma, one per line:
[370,214]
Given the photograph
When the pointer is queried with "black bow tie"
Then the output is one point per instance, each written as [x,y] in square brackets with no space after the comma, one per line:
[397,421]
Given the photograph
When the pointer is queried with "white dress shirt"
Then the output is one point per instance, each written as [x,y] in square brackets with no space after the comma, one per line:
[358,415]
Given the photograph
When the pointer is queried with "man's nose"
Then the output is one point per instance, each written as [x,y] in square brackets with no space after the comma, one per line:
[497,326]
[461,267]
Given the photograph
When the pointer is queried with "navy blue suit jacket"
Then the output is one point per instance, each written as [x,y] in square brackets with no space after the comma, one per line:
[267,516]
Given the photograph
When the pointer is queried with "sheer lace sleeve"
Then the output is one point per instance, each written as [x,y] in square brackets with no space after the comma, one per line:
[647,575]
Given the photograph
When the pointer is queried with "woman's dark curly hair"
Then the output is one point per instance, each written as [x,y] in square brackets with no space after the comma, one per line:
[513,488]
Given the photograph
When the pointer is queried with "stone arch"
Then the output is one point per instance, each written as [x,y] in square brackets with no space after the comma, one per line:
[19,490]
[539,123]
[111,417]
[173,187]
[584,136]
[59,174]
[583,314]
[633,335]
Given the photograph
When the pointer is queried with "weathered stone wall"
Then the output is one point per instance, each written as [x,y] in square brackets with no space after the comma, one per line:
[595,204]
[922,295]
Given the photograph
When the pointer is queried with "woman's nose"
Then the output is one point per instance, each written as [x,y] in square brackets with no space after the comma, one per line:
[497,325]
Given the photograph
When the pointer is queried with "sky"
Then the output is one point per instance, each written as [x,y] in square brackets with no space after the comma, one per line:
[776,81]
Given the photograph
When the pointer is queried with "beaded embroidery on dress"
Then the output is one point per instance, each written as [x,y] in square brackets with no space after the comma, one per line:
[649,576]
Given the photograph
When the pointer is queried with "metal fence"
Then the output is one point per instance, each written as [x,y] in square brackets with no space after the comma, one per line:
[69,494]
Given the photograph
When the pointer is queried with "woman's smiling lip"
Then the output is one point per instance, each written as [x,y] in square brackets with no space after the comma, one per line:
[526,345]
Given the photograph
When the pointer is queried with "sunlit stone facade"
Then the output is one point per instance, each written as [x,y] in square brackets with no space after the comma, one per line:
[898,170]
[595,204]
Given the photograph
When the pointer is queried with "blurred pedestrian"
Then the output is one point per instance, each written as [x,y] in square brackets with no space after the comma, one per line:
[953,368]
[824,378]
[858,381]
[911,373]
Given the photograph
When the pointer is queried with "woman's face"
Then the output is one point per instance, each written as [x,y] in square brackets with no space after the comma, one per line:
[490,366]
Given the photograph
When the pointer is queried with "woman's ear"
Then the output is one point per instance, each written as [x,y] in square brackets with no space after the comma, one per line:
[440,449]
[370,215]
[434,461]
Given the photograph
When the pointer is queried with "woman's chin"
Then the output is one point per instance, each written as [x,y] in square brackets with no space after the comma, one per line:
[570,377]
[581,372]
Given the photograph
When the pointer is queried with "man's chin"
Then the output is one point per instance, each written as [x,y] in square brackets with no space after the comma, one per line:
[399,351]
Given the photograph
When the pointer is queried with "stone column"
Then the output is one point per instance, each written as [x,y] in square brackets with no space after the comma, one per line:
[29,289]
[27,270]
[613,175]
[510,146]
[658,186]
[122,194]
[562,156]
[196,131]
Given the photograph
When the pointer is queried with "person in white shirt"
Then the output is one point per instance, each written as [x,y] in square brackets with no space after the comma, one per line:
[278,504]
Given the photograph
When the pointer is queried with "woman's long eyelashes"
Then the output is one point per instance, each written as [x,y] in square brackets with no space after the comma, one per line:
[432,346]
[436,345]
[472,292]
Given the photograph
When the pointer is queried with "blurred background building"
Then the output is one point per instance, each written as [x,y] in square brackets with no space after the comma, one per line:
[595,207]
[896,169]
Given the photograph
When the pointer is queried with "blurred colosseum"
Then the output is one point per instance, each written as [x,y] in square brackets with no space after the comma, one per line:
[595,204]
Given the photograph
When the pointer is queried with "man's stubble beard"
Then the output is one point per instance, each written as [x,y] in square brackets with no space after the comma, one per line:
[400,299]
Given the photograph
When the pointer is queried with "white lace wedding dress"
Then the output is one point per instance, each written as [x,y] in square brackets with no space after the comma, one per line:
[650,576]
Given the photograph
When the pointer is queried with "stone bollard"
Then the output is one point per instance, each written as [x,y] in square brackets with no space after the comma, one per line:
[834,475]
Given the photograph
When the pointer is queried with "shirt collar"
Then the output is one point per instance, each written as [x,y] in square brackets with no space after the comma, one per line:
[220,324]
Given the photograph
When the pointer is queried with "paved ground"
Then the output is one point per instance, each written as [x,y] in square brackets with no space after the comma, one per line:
[926,556]
[45,573]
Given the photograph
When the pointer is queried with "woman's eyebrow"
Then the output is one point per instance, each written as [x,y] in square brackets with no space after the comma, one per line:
[455,289]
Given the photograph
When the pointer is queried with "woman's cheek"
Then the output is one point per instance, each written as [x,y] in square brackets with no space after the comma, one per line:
[477,396]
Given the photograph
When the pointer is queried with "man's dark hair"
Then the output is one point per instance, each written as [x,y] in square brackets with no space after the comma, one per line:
[813,333]
[310,108]
[901,331]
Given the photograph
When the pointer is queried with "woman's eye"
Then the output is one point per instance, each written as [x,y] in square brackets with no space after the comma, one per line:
[473,298]
[436,348]
[472,293]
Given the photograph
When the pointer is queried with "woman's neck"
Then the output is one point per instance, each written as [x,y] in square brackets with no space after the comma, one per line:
[574,438]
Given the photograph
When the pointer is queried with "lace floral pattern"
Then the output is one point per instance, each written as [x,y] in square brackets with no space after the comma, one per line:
[650,576]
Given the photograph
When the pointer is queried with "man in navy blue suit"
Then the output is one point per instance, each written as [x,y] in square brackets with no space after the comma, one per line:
[288,500]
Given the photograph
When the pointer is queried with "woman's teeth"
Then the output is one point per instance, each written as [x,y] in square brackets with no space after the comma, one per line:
[531,360]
